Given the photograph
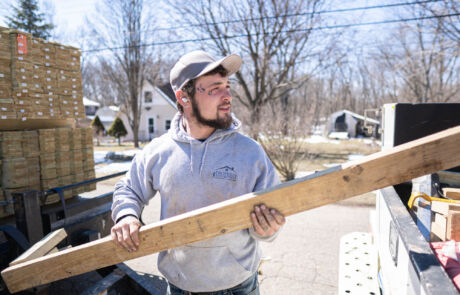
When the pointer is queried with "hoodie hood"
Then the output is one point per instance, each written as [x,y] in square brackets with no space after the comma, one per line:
[178,132]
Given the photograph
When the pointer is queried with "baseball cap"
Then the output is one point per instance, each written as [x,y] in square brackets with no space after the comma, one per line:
[197,63]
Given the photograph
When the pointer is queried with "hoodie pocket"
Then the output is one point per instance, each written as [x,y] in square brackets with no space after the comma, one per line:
[203,268]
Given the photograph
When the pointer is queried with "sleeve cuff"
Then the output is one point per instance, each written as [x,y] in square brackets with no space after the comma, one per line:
[124,216]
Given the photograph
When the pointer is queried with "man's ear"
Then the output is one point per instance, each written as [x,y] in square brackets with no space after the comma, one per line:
[181,98]
[179,94]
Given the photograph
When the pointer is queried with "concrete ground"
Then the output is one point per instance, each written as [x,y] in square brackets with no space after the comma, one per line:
[304,258]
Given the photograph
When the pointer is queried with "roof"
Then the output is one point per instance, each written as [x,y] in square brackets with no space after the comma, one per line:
[167,89]
[89,102]
[358,116]
[166,92]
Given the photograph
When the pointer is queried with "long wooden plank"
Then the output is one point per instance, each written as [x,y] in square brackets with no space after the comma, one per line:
[42,247]
[402,163]
[33,124]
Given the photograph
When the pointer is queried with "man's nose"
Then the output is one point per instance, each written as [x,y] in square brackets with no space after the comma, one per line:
[227,95]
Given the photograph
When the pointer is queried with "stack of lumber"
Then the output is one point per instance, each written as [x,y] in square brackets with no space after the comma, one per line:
[43,159]
[445,221]
[19,165]
[38,79]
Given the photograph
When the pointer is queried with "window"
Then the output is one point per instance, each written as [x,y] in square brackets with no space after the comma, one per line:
[167,124]
[151,126]
[147,96]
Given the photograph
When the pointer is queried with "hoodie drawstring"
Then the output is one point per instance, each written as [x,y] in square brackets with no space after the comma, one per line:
[204,156]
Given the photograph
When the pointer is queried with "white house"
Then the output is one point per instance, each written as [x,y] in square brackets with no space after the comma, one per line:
[91,107]
[157,111]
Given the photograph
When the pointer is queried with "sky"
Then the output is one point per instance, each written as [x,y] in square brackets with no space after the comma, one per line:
[70,16]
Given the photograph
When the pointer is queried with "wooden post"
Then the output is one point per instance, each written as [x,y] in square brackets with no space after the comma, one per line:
[399,164]
[28,215]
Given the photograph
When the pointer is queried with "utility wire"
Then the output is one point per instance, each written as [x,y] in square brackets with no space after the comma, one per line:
[302,14]
[270,33]
[383,6]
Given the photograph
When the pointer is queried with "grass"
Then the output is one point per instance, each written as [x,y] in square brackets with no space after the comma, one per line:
[321,154]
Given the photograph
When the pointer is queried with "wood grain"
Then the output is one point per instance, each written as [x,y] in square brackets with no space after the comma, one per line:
[42,247]
[402,163]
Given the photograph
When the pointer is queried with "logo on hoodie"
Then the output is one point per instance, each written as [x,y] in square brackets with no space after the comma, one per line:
[225,172]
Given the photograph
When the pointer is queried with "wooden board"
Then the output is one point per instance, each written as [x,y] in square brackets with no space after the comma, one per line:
[44,246]
[33,124]
[451,193]
[402,163]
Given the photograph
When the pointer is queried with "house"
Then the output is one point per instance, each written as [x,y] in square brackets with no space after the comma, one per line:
[158,109]
[108,114]
[91,107]
[350,124]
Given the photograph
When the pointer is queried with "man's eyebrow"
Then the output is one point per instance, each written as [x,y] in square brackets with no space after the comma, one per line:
[217,83]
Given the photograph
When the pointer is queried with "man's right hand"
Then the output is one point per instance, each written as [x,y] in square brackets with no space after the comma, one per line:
[126,233]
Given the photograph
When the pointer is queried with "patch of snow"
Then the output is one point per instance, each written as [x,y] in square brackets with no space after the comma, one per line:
[99,156]
[113,167]
[353,157]
[339,135]
[320,139]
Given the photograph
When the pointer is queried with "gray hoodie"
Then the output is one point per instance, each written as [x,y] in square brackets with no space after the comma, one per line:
[191,174]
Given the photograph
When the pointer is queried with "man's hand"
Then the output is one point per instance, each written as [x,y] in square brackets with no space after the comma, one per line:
[266,221]
[126,233]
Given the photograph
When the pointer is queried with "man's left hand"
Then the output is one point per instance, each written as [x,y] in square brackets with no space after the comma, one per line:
[266,221]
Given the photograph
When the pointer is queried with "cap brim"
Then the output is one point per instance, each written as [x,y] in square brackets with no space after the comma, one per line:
[231,63]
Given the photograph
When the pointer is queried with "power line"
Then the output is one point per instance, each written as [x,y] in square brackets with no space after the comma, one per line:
[382,6]
[270,33]
[303,14]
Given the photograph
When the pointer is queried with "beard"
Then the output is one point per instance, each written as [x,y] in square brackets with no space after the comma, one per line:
[218,123]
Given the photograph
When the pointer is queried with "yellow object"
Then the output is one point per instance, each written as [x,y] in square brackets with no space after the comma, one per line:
[416,195]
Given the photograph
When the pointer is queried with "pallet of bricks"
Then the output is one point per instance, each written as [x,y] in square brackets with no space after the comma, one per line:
[38,79]
[44,159]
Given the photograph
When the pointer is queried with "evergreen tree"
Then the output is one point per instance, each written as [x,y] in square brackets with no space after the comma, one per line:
[98,128]
[27,18]
[117,129]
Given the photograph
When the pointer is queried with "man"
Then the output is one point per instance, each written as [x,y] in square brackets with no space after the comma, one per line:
[202,160]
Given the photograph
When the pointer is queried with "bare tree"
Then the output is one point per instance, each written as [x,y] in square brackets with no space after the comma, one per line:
[447,17]
[276,39]
[283,137]
[123,28]
[425,63]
